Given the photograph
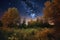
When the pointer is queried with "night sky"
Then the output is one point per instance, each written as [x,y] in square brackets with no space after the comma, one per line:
[26,8]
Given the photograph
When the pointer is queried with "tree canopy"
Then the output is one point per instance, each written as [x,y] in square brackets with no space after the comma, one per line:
[52,10]
[11,16]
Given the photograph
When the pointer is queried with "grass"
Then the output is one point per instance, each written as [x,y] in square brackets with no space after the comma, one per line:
[26,34]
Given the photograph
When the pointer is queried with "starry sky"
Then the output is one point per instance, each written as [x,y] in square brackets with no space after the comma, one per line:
[26,8]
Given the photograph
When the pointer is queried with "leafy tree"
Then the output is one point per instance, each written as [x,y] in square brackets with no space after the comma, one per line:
[11,16]
[47,12]
[52,10]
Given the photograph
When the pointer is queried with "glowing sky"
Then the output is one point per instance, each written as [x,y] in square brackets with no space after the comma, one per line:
[26,8]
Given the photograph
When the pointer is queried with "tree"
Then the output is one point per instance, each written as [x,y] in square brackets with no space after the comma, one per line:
[11,16]
[53,11]
[39,22]
[46,10]
[32,24]
[24,23]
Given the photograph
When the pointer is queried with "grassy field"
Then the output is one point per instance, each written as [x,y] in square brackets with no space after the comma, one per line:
[25,34]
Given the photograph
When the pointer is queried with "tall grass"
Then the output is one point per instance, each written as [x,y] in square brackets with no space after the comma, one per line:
[26,34]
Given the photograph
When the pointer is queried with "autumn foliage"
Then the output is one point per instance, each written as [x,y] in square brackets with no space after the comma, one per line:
[11,16]
[52,11]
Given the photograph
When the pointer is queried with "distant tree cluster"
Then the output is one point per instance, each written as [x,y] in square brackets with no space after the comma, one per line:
[38,24]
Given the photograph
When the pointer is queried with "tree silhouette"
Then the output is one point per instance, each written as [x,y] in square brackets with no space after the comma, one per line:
[32,24]
[24,23]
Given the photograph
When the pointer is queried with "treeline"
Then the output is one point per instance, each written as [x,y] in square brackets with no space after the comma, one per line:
[33,24]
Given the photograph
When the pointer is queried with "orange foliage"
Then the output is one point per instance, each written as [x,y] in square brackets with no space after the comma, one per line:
[10,16]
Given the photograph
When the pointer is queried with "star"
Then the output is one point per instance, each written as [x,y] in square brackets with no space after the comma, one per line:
[33,15]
